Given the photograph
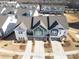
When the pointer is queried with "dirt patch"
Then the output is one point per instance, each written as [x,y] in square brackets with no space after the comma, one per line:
[9,46]
[48,47]
[73,56]
[49,57]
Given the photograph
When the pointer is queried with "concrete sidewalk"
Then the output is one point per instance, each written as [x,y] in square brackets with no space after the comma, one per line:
[58,50]
[39,50]
[27,53]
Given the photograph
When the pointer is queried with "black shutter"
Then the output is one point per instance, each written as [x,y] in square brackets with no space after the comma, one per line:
[32,23]
[53,25]
[48,22]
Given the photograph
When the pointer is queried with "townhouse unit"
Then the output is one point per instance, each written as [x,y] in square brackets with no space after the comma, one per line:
[21,32]
[52,7]
[7,24]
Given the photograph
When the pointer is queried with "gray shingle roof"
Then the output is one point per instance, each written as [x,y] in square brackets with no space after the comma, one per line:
[21,27]
[42,1]
[60,18]
[2,20]
[21,11]
[42,19]
[1,9]
[28,20]
[9,9]
[25,20]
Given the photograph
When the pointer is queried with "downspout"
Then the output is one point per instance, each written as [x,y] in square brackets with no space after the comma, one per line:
[48,21]
[32,23]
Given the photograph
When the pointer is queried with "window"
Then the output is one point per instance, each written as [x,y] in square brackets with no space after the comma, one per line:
[29,13]
[20,32]
[21,38]
[54,32]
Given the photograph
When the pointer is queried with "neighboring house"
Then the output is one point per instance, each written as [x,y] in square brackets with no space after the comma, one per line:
[21,32]
[52,9]
[57,26]
[24,12]
[26,9]
[8,10]
[41,1]
[9,25]
[57,7]
[2,9]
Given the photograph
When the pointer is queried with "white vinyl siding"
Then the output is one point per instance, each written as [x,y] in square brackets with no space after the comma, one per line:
[61,31]
[21,35]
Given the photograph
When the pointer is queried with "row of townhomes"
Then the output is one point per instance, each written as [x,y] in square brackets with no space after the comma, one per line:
[29,20]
